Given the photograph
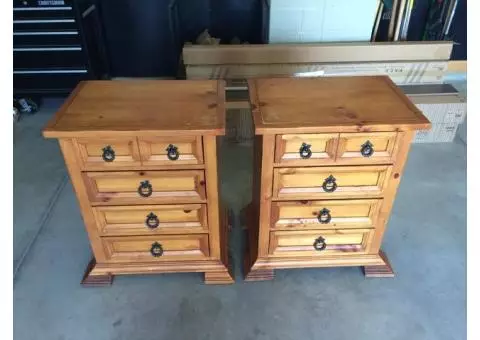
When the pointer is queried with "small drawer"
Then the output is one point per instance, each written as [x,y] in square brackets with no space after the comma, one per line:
[306,149]
[151,219]
[320,243]
[107,153]
[171,150]
[156,248]
[327,182]
[145,187]
[304,215]
[366,147]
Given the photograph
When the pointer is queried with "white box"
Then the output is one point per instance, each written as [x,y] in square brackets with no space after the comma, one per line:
[439,133]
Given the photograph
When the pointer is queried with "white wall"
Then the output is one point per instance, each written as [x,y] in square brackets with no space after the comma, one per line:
[297,21]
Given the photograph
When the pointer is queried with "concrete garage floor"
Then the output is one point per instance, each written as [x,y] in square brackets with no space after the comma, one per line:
[425,241]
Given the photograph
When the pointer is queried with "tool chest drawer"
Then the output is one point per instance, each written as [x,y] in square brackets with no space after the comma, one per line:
[48,79]
[32,4]
[48,57]
[46,38]
[43,13]
[28,25]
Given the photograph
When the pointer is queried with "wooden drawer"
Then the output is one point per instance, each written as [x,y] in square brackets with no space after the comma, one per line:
[343,181]
[366,147]
[320,243]
[165,247]
[183,150]
[325,214]
[306,149]
[151,219]
[107,153]
[127,187]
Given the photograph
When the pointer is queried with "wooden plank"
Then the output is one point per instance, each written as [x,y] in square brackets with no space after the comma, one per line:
[316,53]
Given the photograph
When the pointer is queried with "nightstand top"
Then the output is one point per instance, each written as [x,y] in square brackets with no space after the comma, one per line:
[141,107]
[332,104]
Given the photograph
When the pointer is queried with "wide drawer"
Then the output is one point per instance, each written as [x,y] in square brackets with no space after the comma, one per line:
[156,248]
[302,215]
[107,153]
[335,148]
[327,182]
[171,150]
[145,187]
[151,219]
[320,243]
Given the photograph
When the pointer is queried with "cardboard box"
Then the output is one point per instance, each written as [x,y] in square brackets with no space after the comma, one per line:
[317,53]
[401,73]
[439,133]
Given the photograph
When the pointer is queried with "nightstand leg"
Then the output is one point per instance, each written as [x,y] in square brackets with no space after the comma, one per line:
[384,270]
[218,278]
[90,280]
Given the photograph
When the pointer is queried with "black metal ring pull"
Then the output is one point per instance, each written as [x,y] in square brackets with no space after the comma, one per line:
[367,149]
[172,152]
[145,189]
[152,221]
[156,250]
[319,244]
[305,151]
[330,184]
[108,154]
[324,216]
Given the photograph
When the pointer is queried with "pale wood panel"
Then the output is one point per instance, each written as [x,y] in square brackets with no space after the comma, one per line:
[322,147]
[141,107]
[339,242]
[137,248]
[306,183]
[301,215]
[90,150]
[131,220]
[333,104]
[113,188]
[153,150]
[350,146]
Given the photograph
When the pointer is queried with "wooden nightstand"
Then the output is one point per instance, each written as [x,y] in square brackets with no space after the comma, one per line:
[142,157]
[329,156]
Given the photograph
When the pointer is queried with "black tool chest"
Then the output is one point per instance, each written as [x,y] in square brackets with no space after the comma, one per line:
[56,44]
